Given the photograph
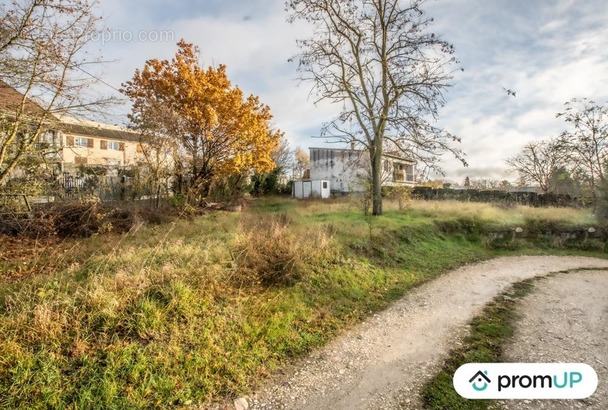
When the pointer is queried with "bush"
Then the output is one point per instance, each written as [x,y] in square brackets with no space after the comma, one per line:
[464,225]
[601,209]
[401,194]
[68,220]
[269,251]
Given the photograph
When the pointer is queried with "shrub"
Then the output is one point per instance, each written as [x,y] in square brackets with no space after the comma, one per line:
[67,220]
[270,251]
[401,194]
[601,209]
[464,225]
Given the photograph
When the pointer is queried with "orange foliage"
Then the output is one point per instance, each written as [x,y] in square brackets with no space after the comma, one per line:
[216,131]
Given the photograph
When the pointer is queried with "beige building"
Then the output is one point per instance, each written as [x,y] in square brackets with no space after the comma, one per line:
[91,144]
[71,143]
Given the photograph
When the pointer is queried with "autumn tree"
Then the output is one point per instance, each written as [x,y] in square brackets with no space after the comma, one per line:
[282,155]
[538,161]
[42,58]
[586,142]
[211,128]
[377,59]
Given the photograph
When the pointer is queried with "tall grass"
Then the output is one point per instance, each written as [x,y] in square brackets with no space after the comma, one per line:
[518,214]
[202,309]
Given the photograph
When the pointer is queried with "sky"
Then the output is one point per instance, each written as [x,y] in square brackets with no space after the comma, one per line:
[546,51]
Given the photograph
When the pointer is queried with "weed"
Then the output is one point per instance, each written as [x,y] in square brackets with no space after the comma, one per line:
[203,308]
[269,251]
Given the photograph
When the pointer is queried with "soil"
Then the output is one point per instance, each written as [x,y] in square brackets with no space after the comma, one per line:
[384,362]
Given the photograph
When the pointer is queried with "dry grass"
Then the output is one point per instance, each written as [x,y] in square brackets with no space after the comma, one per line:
[489,212]
[270,250]
[444,210]
[201,309]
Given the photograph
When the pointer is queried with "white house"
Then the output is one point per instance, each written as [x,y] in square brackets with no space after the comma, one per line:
[347,170]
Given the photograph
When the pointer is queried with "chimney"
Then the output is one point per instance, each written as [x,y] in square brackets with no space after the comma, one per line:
[352,145]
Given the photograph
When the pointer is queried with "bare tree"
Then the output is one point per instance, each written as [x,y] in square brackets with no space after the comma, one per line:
[587,141]
[377,58]
[484,184]
[301,163]
[283,155]
[42,55]
[538,161]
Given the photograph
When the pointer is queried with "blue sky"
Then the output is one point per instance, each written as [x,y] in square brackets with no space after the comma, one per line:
[548,51]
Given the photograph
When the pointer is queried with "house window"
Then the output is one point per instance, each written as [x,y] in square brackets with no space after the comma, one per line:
[83,142]
[409,173]
[398,174]
[386,165]
[50,139]
[114,145]
[324,184]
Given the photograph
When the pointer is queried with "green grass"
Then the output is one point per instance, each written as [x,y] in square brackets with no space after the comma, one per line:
[489,332]
[201,310]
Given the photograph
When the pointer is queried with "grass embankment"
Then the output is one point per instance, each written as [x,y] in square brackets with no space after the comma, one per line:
[202,309]
[484,344]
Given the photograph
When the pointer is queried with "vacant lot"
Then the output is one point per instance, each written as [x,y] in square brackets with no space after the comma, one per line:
[201,309]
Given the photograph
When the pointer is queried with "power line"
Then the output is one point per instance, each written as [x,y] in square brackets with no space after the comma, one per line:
[98,79]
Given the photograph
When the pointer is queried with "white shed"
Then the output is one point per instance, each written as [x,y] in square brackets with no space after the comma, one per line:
[310,189]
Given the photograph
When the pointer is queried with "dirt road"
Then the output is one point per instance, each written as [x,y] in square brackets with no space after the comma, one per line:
[565,320]
[382,363]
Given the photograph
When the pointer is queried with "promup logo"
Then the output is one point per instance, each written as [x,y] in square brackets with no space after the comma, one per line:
[480,377]
[525,381]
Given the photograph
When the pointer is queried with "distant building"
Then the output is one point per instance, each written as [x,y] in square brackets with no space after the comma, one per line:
[347,170]
[94,144]
[68,143]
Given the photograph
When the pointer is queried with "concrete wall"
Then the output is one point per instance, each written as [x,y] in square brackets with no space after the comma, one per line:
[348,170]
[345,169]
[311,189]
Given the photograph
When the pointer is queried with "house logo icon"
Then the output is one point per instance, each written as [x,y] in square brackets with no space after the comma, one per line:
[480,377]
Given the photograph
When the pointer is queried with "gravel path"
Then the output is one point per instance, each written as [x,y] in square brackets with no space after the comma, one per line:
[565,319]
[382,363]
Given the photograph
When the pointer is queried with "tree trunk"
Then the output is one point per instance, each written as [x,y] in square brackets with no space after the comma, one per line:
[376,161]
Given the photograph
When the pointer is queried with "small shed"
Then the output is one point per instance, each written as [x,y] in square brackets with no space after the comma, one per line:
[308,188]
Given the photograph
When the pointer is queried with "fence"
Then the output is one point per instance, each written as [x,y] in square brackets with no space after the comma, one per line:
[69,187]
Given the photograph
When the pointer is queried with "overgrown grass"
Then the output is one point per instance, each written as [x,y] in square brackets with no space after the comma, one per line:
[489,332]
[516,215]
[201,309]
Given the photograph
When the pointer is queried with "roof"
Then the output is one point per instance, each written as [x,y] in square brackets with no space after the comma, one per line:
[11,100]
[99,131]
[359,151]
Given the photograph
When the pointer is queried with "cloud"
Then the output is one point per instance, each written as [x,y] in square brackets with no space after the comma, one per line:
[252,39]
[547,51]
